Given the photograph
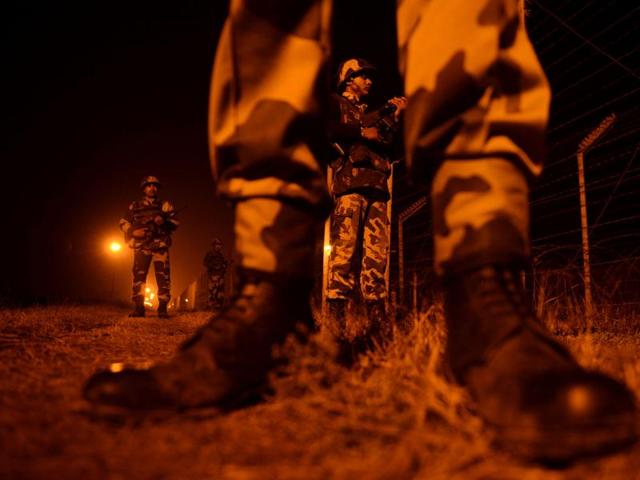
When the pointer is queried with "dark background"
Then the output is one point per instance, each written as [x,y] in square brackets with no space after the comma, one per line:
[97,96]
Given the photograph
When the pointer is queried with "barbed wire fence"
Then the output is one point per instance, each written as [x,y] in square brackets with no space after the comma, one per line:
[595,75]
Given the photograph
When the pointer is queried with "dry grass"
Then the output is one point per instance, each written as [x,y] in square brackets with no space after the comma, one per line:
[395,416]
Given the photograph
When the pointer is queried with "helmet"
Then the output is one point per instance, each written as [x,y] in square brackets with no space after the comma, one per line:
[150,180]
[352,68]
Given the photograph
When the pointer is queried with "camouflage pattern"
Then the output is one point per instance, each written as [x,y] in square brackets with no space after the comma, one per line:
[477,108]
[478,105]
[155,219]
[150,180]
[266,131]
[142,259]
[350,68]
[147,226]
[216,266]
[359,229]
[366,165]
[215,287]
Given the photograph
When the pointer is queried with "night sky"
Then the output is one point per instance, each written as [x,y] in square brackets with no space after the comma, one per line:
[98,96]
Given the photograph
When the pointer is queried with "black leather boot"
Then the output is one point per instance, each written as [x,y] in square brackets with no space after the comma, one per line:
[162,309]
[337,311]
[226,360]
[541,403]
[138,309]
[380,331]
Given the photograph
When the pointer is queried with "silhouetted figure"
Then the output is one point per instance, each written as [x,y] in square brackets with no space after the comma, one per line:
[216,266]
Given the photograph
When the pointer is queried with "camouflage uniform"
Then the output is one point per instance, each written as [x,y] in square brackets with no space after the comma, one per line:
[216,266]
[478,107]
[153,247]
[478,103]
[359,222]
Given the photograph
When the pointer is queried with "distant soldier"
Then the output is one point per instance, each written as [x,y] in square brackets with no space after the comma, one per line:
[359,222]
[216,266]
[147,226]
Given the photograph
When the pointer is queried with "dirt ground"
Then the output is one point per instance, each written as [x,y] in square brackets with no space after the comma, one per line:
[393,417]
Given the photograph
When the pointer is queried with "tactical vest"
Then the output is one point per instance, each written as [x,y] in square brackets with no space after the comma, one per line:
[215,262]
[142,216]
[365,167]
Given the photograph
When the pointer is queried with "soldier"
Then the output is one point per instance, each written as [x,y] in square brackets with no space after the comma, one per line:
[477,105]
[147,226]
[359,222]
[216,266]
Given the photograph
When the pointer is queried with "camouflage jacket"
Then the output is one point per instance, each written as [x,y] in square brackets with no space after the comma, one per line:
[215,263]
[365,165]
[141,216]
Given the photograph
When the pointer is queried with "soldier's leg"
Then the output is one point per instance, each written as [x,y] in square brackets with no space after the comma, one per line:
[218,292]
[374,263]
[265,135]
[162,268]
[345,238]
[375,250]
[478,103]
[141,263]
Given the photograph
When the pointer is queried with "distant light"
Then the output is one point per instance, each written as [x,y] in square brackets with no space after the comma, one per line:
[115,247]
[116,367]
[327,248]
[147,289]
[186,300]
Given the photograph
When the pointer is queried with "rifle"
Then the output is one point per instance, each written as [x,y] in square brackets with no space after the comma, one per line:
[148,224]
[382,120]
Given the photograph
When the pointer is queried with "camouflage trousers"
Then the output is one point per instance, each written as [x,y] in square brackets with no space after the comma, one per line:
[216,291]
[142,259]
[359,237]
[477,109]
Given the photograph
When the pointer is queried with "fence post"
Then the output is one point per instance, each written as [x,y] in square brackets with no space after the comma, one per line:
[404,215]
[585,144]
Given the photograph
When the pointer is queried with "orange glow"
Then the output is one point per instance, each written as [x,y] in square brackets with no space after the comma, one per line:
[149,296]
[116,367]
[327,249]
[115,247]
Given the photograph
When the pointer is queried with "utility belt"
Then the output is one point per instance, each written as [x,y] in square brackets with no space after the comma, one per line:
[362,169]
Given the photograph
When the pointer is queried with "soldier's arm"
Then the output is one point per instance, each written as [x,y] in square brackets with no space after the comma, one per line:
[337,130]
[170,220]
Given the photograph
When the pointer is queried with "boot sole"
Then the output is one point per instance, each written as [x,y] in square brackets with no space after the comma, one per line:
[557,446]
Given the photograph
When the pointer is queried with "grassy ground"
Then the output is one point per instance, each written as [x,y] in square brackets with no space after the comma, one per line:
[394,417]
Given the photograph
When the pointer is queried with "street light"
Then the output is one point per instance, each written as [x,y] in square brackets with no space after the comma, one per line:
[114,248]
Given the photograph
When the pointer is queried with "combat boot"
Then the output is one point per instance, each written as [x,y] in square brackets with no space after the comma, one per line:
[380,330]
[138,309]
[162,309]
[527,386]
[337,310]
[226,361]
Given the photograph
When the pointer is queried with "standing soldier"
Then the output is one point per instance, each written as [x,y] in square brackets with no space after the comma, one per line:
[216,266]
[359,222]
[477,107]
[147,226]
